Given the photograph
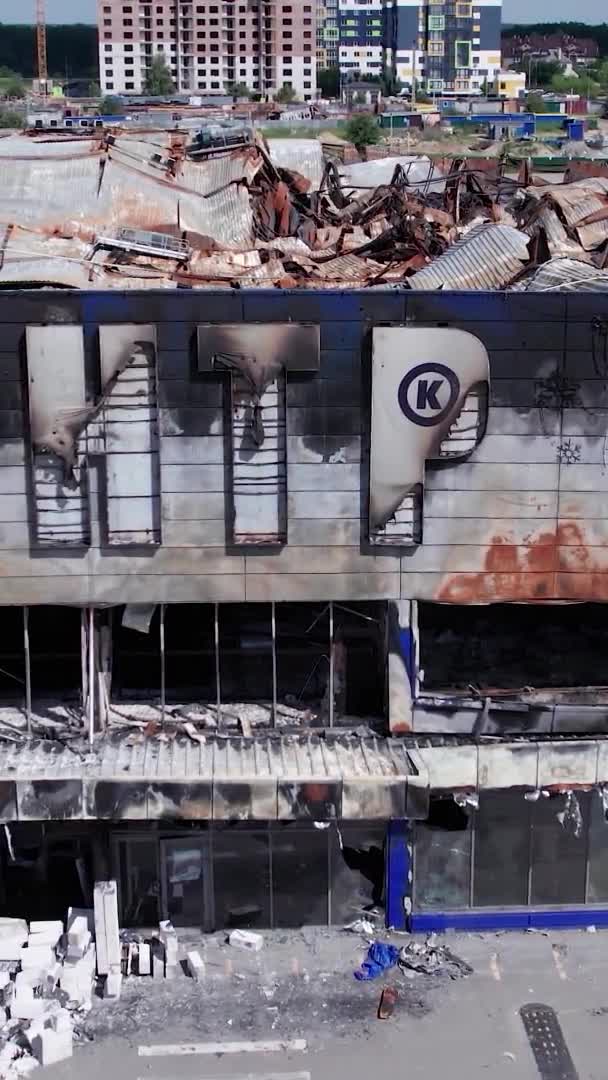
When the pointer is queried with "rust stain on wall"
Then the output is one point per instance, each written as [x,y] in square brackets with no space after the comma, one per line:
[555,565]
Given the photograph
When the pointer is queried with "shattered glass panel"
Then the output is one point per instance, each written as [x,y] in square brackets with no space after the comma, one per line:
[139,881]
[559,856]
[443,858]
[502,849]
[357,870]
[597,888]
[299,876]
[241,877]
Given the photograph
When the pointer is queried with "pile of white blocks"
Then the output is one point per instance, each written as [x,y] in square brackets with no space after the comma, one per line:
[56,978]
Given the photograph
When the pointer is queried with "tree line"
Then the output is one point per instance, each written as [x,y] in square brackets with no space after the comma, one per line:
[597,32]
[71,49]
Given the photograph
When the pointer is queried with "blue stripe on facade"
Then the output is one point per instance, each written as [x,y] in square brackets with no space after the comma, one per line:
[408,652]
[397,867]
[572,918]
[489,35]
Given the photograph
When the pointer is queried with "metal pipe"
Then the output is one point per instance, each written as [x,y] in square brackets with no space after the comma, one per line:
[331,663]
[218,689]
[28,671]
[91,687]
[274,664]
[162,664]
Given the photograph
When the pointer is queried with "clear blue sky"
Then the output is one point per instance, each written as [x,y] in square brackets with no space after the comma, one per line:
[593,11]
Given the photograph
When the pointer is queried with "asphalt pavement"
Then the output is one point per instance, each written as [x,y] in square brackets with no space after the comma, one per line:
[283,1015]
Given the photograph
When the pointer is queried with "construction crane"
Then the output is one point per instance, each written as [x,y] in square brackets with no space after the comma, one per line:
[41,47]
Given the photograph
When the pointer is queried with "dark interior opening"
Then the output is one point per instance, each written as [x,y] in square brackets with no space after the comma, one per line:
[513,646]
[135,659]
[55,653]
[302,654]
[190,652]
[246,652]
[12,656]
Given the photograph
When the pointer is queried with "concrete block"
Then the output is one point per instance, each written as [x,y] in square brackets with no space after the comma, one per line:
[52,976]
[113,985]
[87,913]
[78,949]
[30,977]
[7,995]
[47,926]
[196,966]
[78,930]
[25,1006]
[246,939]
[158,960]
[144,960]
[47,937]
[37,956]
[10,947]
[5,977]
[171,971]
[50,1046]
[106,927]
[62,1021]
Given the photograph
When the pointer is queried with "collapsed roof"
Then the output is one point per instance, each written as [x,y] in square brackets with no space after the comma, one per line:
[137,211]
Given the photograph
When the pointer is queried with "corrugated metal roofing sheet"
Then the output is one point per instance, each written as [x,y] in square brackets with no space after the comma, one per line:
[419,169]
[304,156]
[488,257]
[184,760]
[566,275]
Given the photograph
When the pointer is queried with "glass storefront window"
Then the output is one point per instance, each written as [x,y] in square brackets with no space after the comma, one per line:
[443,858]
[241,877]
[356,870]
[299,876]
[598,851]
[559,857]
[502,849]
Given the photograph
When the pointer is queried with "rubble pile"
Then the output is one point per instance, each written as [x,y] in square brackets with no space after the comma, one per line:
[151,211]
[430,958]
[49,974]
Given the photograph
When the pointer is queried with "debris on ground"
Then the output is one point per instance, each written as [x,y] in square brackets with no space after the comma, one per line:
[282,214]
[380,957]
[430,958]
[388,1000]
[246,939]
[361,926]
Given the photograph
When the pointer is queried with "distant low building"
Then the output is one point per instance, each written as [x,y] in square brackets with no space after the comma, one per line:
[561,47]
[508,84]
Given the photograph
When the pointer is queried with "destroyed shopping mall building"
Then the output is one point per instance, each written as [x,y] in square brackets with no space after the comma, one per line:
[303,590]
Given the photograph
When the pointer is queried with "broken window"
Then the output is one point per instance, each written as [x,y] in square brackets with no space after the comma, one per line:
[190,652]
[246,653]
[138,874]
[502,849]
[241,876]
[480,646]
[55,653]
[597,888]
[443,857]
[302,632]
[12,656]
[299,875]
[559,850]
[356,870]
[136,667]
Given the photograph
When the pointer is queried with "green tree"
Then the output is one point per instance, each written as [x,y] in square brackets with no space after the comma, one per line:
[158,80]
[10,119]
[15,87]
[328,81]
[535,103]
[238,90]
[573,84]
[110,106]
[362,131]
[390,84]
[538,72]
[360,98]
[94,89]
[285,95]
